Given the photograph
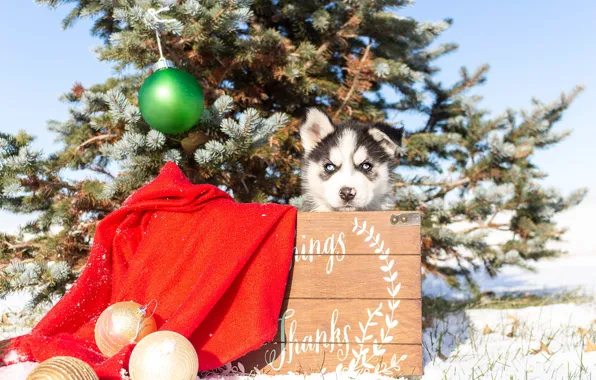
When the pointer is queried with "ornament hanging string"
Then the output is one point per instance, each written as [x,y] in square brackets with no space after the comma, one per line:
[143,311]
[158,21]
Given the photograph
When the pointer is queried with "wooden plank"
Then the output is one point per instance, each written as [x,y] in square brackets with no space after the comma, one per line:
[355,277]
[339,321]
[307,358]
[332,233]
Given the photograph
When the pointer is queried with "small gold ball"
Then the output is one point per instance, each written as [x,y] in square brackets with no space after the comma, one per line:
[404,219]
[120,324]
[63,368]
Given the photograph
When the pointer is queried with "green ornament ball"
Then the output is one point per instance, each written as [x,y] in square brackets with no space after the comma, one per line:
[171,101]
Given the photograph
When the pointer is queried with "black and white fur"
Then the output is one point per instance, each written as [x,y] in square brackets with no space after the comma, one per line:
[348,166]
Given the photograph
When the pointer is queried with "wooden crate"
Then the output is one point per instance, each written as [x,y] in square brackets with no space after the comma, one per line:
[353,300]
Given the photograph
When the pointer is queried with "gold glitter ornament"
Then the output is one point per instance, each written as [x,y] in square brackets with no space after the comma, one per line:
[164,355]
[120,324]
[63,368]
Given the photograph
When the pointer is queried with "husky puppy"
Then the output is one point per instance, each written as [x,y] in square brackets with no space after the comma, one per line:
[348,166]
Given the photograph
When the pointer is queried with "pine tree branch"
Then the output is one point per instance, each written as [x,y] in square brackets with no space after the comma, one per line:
[16,247]
[354,82]
[448,185]
[487,226]
[101,170]
[96,138]
[469,82]
[34,183]
[218,15]
[351,21]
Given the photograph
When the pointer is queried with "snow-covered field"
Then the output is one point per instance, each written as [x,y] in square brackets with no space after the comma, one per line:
[549,342]
[542,342]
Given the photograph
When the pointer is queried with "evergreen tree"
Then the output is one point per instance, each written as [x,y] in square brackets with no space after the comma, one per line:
[261,63]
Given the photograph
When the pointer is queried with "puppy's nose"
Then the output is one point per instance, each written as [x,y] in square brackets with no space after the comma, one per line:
[347,193]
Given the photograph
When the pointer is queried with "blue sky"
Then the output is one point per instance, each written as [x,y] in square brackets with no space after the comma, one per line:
[534,48]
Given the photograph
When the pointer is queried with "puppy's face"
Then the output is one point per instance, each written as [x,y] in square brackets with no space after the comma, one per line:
[347,167]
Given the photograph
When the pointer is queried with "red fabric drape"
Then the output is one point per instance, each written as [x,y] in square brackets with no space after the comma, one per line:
[217,268]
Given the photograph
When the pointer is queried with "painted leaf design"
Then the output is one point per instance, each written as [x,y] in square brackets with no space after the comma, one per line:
[356,355]
[358,340]
[390,265]
[368,337]
[378,237]
[353,361]
[395,291]
[393,360]
[368,239]
[372,231]
[362,327]
[385,268]
[240,367]
[380,248]
[227,368]
[377,312]
[373,324]
[364,225]
[360,232]
[368,365]
[390,292]
[387,339]
[339,367]
[393,304]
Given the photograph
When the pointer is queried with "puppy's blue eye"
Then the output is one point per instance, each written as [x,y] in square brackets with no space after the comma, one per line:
[365,166]
[329,168]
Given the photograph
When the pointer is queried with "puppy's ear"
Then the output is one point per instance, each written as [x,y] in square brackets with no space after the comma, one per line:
[315,128]
[390,138]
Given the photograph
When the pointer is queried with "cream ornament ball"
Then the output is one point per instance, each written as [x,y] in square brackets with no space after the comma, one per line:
[163,355]
[63,368]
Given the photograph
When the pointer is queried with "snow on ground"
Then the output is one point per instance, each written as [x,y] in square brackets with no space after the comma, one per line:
[16,319]
[506,344]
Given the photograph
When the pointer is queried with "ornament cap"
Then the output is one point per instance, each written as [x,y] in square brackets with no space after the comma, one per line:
[163,63]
